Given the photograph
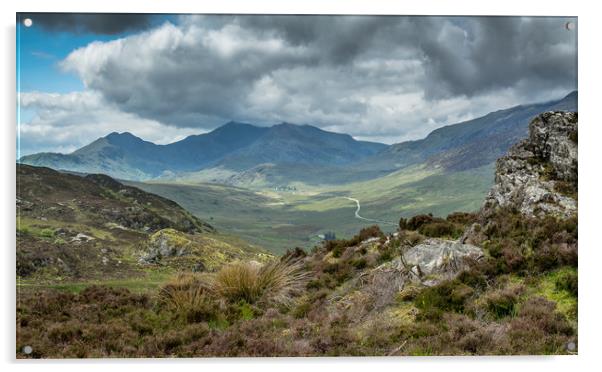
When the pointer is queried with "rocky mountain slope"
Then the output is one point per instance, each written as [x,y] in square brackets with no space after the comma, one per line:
[451,149]
[95,227]
[470,144]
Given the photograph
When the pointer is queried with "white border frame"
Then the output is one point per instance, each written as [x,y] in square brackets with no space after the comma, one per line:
[589,153]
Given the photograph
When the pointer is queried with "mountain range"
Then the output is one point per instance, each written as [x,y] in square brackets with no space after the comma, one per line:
[245,154]
[235,146]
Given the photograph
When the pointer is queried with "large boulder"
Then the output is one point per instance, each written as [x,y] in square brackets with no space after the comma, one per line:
[166,243]
[538,176]
[441,259]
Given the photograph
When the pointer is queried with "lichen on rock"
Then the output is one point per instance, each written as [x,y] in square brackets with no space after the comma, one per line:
[538,176]
[166,243]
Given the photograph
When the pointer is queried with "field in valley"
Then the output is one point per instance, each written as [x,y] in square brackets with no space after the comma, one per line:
[279,220]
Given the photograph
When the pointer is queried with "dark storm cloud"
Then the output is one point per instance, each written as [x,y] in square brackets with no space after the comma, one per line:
[96,23]
[500,52]
[463,55]
[370,76]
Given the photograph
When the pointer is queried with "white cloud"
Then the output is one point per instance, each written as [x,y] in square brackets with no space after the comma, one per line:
[65,122]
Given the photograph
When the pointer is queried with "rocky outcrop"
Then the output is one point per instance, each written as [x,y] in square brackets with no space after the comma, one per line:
[538,176]
[166,243]
[425,264]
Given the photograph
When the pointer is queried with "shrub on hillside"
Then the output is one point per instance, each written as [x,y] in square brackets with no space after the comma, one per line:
[462,218]
[370,232]
[416,222]
[501,303]
[447,296]
[337,247]
[191,298]
[568,282]
[441,228]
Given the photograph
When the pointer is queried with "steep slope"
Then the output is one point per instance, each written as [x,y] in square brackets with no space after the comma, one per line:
[95,227]
[300,145]
[196,152]
[470,144]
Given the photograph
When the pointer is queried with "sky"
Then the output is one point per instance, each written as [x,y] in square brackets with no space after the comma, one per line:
[378,78]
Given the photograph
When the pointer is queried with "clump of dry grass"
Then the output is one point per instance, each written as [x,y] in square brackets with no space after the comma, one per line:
[275,283]
[190,296]
[203,297]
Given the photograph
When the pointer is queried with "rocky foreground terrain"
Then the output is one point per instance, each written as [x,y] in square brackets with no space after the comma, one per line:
[502,280]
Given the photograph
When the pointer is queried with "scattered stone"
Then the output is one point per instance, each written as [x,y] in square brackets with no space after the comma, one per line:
[81,237]
[199,267]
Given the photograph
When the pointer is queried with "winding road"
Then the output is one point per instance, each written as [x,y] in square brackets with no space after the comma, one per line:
[357,213]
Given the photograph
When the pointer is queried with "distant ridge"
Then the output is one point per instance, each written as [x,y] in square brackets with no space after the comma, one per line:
[469,144]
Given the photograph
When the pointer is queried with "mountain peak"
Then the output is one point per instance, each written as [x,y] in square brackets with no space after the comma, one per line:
[120,135]
[124,138]
[233,123]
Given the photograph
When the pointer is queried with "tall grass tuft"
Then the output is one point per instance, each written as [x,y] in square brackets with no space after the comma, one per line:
[275,283]
[190,297]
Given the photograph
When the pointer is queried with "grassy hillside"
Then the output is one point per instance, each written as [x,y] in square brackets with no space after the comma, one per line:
[73,230]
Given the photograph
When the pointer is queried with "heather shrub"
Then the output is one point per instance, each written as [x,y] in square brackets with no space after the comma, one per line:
[447,296]
[338,246]
[462,218]
[370,232]
[416,222]
[501,303]
[441,228]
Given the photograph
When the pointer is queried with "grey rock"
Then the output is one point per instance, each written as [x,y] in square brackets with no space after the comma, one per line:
[165,243]
[81,237]
[199,267]
[443,258]
[526,178]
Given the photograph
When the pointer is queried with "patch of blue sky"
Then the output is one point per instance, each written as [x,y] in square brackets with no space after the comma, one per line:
[39,52]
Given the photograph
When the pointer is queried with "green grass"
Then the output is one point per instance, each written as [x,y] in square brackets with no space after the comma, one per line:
[566,303]
[150,281]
